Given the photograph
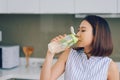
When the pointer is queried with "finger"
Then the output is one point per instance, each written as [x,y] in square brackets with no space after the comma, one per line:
[60,36]
[57,38]
[64,35]
[54,39]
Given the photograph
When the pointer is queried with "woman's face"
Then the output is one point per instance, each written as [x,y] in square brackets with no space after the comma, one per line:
[85,35]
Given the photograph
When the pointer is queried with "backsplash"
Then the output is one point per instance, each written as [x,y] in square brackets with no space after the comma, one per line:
[37,30]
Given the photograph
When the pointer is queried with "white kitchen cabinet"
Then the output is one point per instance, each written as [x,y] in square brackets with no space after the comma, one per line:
[3,6]
[118,6]
[56,6]
[23,6]
[95,6]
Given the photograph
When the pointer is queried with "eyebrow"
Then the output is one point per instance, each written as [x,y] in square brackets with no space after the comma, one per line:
[82,27]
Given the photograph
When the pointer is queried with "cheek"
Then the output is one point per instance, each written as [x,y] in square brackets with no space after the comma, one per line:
[85,40]
[88,40]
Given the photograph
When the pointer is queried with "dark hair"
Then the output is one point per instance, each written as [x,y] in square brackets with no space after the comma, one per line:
[102,43]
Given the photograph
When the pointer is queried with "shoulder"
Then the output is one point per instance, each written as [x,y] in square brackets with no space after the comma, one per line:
[113,66]
[113,72]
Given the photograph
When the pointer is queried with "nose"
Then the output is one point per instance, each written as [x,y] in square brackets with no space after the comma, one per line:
[78,34]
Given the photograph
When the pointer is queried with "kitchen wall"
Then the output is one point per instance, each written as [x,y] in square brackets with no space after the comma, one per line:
[37,30]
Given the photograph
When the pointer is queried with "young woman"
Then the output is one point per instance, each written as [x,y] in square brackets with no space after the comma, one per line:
[89,61]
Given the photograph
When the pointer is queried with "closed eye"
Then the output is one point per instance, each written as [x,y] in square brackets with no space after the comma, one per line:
[83,30]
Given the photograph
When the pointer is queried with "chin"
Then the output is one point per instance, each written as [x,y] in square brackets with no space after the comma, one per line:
[80,45]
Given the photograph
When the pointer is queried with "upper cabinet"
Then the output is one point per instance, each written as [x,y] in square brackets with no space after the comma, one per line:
[118,6]
[23,6]
[3,6]
[56,6]
[59,6]
[95,6]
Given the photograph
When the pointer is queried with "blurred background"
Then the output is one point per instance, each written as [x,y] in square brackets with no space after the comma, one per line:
[36,22]
[37,31]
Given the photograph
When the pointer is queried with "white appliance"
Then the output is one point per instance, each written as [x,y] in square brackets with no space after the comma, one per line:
[9,56]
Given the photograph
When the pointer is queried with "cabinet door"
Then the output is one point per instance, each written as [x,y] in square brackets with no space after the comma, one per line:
[95,6]
[23,6]
[3,6]
[118,6]
[57,6]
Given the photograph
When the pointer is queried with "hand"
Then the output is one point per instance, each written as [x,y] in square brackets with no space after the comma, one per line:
[55,42]
[58,38]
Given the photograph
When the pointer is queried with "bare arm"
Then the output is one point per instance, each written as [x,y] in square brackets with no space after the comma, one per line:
[113,72]
[50,72]
[46,69]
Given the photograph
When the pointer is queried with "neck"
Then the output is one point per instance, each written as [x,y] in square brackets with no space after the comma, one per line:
[87,50]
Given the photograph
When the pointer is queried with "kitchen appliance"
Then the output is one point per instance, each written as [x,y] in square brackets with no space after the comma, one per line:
[9,56]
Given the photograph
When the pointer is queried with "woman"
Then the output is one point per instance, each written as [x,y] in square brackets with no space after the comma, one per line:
[89,61]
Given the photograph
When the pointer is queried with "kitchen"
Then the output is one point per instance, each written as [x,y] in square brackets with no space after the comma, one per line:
[36,22]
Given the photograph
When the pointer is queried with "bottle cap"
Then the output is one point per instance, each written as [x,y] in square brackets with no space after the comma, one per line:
[72,30]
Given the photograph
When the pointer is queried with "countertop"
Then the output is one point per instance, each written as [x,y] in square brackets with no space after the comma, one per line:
[32,72]
[21,72]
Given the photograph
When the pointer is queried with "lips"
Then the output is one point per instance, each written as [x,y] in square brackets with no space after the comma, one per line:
[80,40]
